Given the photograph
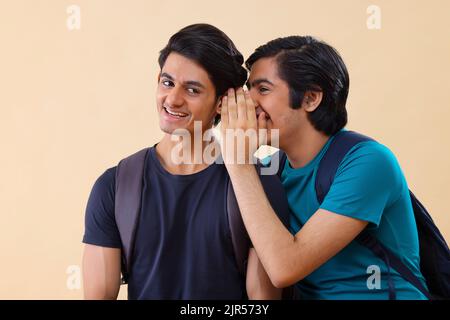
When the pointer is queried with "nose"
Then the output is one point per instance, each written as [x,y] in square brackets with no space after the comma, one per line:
[253,95]
[175,97]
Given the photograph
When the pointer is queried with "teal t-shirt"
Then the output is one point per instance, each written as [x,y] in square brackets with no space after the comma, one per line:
[369,185]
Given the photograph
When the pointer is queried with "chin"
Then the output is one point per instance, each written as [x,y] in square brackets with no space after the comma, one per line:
[167,128]
[175,130]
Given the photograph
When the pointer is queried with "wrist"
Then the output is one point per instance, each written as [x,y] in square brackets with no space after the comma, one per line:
[240,169]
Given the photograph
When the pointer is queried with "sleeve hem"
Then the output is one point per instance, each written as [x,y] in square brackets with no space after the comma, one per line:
[359,217]
[100,243]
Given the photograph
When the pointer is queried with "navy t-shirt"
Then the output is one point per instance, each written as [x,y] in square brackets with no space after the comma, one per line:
[183,247]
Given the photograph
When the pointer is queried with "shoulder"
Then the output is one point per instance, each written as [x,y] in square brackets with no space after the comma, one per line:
[105,183]
[368,180]
[100,225]
[371,149]
[107,180]
[372,156]
[372,168]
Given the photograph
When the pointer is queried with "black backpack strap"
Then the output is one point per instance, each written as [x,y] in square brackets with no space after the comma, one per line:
[239,236]
[277,197]
[129,174]
[274,190]
[339,147]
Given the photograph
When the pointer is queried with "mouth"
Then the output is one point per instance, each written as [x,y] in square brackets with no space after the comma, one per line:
[174,114]
[259,111]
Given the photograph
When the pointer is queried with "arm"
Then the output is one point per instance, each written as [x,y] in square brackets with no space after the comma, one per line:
[286,258]
[101,272]
[259,286]
[102,253]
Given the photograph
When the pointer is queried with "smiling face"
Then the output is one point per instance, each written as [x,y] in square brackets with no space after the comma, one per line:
[184,94]
[271,95]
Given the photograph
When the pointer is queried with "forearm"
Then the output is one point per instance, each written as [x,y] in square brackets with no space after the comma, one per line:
[271,240]
[259,286]
[286,258]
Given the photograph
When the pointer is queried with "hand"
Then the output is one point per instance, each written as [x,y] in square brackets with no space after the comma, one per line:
[242,132]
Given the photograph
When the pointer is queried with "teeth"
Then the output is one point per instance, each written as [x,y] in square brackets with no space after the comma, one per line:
[175,113]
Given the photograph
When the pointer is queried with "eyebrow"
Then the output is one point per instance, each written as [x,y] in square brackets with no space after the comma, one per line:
[258,81]
[190,82]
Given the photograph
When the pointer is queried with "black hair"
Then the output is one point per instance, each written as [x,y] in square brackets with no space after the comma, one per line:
[307,64]
[212,49]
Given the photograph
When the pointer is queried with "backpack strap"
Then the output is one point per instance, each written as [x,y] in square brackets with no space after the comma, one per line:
[129,174]
[339,147]
[342,143]
[369,241]
[241,241]
[239,237]
[282,161]
[278,157]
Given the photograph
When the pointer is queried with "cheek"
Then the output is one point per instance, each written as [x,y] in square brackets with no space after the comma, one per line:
[269,107]
[203,108]
[159,96]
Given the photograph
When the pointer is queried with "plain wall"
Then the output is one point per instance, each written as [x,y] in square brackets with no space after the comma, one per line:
[73,103]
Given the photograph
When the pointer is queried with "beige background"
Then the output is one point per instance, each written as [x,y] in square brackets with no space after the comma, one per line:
[73,103]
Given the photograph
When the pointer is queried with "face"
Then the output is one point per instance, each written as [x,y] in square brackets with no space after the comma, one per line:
[271,95]
[185,94]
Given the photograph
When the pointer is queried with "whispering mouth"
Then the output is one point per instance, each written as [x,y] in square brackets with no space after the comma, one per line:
[266,115]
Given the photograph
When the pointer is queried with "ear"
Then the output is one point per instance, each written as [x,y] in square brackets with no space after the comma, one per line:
[312,100]
[219,105]
[158,77]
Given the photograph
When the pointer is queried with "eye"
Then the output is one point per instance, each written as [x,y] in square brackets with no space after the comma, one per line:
[167,83]
[193,90]
[263,90]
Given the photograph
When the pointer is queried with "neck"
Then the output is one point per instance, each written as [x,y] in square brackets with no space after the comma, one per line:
[186,155]
[304,146]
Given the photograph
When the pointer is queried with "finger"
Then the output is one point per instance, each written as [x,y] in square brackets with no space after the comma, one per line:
[251,112]
[262,121]
[241,104]
[232,108]
[262,128]
[224,112]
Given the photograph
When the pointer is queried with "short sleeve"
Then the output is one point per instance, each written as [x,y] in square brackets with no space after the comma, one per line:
[367,181]
[100,223]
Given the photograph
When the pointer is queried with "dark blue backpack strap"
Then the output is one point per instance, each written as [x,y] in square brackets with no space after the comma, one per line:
[371,243]
[278,158]
[281,157]
[342,142]
[129,174]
